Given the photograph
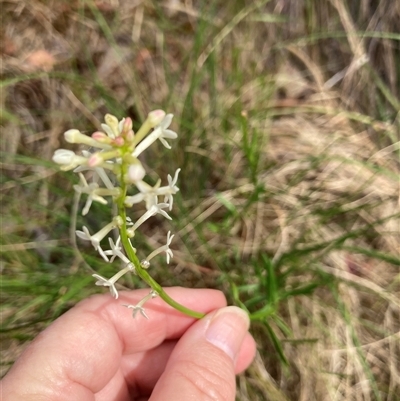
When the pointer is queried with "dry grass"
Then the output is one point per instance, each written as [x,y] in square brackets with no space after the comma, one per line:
[314,83]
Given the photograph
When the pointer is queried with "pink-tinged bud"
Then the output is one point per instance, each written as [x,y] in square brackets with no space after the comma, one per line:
[127,132]
[74,136]
[127,124]
[118,141]
[155,117]
[101,137]
[129,136]
[136,172]
[95,160]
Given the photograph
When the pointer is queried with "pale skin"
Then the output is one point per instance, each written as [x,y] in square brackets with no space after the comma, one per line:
[97,352]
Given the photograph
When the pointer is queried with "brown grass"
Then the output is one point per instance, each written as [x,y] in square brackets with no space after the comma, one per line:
[326,112]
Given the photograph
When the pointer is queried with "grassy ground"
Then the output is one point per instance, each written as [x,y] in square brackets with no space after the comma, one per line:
[288,115]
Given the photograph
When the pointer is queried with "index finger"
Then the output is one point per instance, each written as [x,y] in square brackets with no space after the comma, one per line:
[80,352]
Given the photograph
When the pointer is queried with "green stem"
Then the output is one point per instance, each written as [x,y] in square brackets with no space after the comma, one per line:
[141,272]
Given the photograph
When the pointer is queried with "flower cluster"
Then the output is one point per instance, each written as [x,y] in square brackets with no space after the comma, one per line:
[113,157]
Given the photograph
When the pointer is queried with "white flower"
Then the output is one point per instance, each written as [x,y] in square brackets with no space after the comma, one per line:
[106,283]
[165,132]
[151,212]
[147,194]
[93,191]
[68,159]
[171,189]
[85,235]
[139,306]
[150,194]
[101,281]
[164,248]
[96,238]
[160,132]
[116,250]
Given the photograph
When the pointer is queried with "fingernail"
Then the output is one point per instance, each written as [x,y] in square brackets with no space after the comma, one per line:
[227,330]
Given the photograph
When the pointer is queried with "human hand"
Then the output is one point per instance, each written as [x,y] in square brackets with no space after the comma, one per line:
[97,352]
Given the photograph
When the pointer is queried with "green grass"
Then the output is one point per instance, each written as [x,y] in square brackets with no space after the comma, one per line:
[288,192]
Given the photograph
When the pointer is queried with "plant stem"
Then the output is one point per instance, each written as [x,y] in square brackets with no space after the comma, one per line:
[142,273]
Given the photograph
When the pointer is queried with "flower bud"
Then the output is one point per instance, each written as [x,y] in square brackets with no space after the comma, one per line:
[95,160]
[112,122]
[127,126]
[68,159]
[101,137]
[63,156]
[155,117]
[127,132]
[100,157]
[129,136]
[136,172]
[118,141]
[73,136]
[118,221]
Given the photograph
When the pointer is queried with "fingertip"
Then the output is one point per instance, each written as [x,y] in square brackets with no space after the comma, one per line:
[227,329]
[204,361]
[246,354]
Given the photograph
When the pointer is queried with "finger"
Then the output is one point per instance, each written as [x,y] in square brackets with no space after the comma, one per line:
[246,354]
[142,371]
[81,351]
[202,363]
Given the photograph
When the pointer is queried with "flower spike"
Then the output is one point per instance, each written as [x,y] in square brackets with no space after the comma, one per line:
[110,172]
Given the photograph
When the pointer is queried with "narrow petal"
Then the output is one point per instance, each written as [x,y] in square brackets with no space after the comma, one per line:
[82,235]
[108,130]
[166,122]
[165,143]
[169,134]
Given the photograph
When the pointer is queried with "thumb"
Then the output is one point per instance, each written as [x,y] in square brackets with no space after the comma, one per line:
[201,367]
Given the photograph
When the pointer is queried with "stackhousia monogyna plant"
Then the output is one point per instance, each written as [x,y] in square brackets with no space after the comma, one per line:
[114,158]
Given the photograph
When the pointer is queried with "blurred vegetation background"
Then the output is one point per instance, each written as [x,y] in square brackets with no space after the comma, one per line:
[288,120]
